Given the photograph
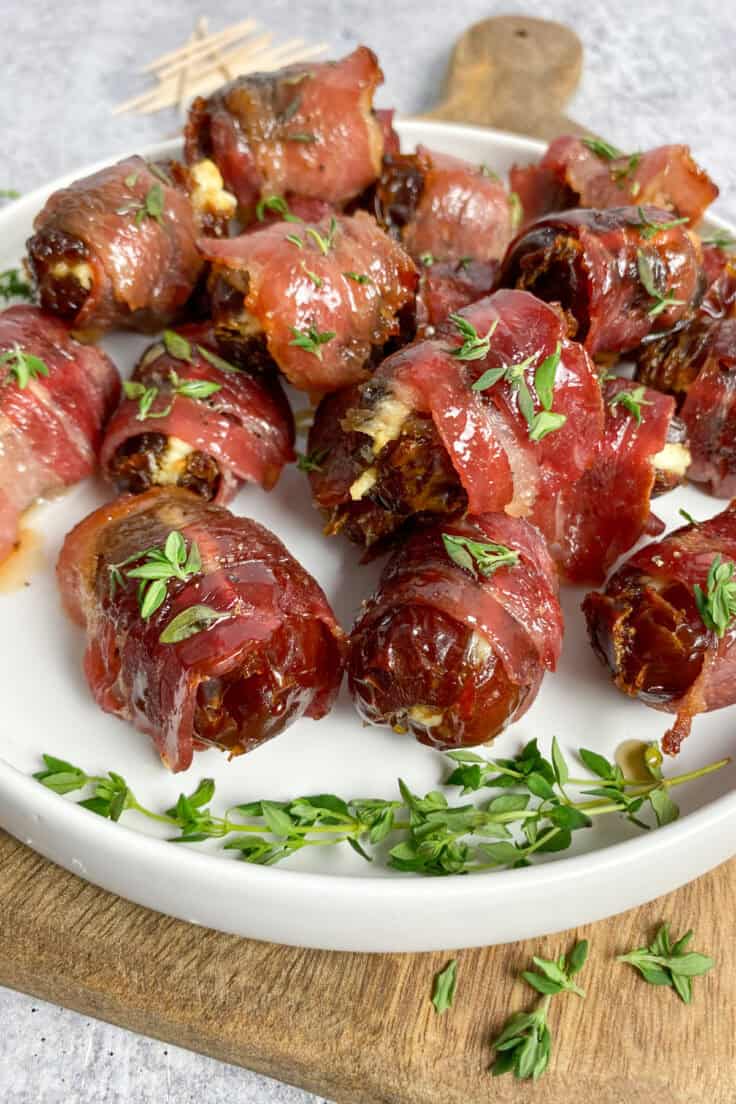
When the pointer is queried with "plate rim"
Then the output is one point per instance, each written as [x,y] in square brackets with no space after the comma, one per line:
[23,800]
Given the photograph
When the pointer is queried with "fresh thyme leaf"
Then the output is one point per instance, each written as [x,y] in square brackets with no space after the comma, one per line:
[721,239]
[473,347]
[311,340]
[160,172]
[316,280]
[632,402]
[24,366]
[185,388]
[12,286]
[308,462]
[9,193]
[444,987]
[215,360]
[485,557]
[323,244]
[278,205]
[302,136]
[717,603]
[358,277]
[524,1045]
[668,964]
[649,228]
[197,389]
[190,621]
[646,275]
[619,175]
[484,170]
[177,346]
[546,421]
[558,763]
[291,108]
[688,517]
[294,239]
[427,259]
[159,566]
[544,377]
[602,149]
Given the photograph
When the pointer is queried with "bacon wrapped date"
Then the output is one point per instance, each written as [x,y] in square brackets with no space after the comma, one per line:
[698,366]
[307,129]
[623,275]
[454,644]
[189,419]
[664,625]
[580,172]
[443,207]
[117,249]
[202,629]
[319,300]
[643,451]
[498,409]
[55,396]
[448,286]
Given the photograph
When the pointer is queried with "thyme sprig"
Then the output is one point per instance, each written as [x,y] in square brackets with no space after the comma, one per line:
[181,388]
[158,567]
[540,422]
[12,286]
[24,366]
[434,836]
[717,603]
[669,963]
[661,301]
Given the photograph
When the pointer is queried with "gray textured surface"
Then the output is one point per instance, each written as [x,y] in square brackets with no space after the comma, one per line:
[655,71]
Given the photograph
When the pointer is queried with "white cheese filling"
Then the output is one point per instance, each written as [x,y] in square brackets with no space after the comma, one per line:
[208,192]
[171,464]
[81,272]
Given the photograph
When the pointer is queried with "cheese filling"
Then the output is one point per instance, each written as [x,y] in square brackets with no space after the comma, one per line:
[81,272]
[674,458]
[384,422]
[425,715]
[208,192]
[171,463]
[363,484]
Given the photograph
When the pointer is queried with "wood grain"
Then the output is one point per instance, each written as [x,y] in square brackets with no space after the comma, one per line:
[360,1029]
[513,73]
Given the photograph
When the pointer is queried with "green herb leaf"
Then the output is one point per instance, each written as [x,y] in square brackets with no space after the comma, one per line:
[473,347]
[177,346]
[558,763]
[427,259]
[215,360]
[278,205]
[666,964]
[721,239]
[301,136]
[308,462]
[602,149]
[474,556]
[9,193]
[649,228]
[632,401]
[323,244]
[197,388]
[12,286]
[311,340]
[158,567]
[646,275]
[294,239]
[517,211]
[193,620]
[444,987]
[24,366]
[546,421]
[717,603]
[316,280]
[358,277]
[544,377]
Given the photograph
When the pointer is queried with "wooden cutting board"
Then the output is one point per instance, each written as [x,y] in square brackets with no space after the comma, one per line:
[360,1029]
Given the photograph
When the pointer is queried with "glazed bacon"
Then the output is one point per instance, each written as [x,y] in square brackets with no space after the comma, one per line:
[419,419]
[262,647]
[444,207]
[447,286]
[620,278]
[116,249]
[319,299]
[194,421]
[646,626]
[307,129]
[579,173]
[52,411]
[449,653]
[590,523]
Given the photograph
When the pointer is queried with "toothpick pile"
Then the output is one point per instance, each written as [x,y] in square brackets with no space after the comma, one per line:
[208,60]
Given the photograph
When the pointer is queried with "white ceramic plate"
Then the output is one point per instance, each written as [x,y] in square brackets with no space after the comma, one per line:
[329,897]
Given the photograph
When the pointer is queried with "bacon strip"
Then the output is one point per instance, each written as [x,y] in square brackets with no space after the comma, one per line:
[342,279]
[646,628]
[51,429]
[307,129]
[244,432]
[138,268]
[453,657]
[571,174]
[594,262]
[275,656]
[418,428]
[590,523]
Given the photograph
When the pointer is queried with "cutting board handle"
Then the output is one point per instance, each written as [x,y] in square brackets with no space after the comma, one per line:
[514,73]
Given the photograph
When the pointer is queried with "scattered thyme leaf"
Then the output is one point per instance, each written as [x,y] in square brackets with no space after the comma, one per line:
[669,964]
[632,401]
[445,983]
[717,603]
[474,556]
